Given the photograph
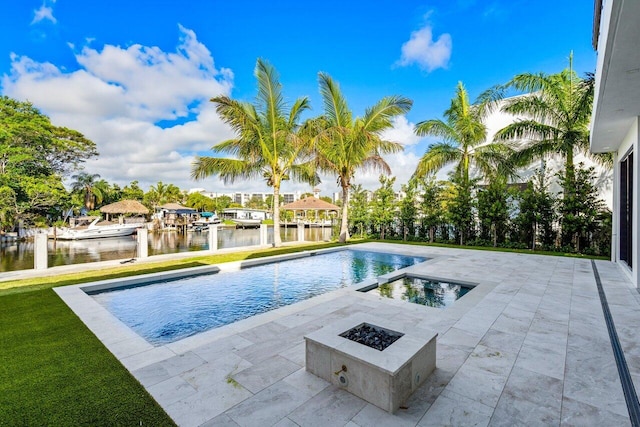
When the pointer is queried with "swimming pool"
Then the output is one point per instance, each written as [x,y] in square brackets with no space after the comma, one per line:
[423,291]
[168,311]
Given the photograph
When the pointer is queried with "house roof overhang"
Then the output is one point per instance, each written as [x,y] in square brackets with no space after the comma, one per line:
[617,90]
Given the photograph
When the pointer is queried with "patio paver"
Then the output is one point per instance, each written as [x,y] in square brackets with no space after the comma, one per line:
[529,346]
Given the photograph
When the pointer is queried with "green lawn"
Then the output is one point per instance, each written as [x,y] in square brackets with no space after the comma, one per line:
[54,371]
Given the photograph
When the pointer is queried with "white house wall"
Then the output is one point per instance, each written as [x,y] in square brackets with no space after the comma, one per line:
[604,177]
[629,143]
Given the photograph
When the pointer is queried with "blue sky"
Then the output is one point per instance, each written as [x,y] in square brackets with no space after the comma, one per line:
[136,76]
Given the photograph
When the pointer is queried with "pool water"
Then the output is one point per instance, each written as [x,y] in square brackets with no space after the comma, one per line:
[168,311]
[432,293]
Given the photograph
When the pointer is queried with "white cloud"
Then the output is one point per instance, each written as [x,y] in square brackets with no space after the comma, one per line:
[45,12]
[423,50]
[402,132]
[118,95]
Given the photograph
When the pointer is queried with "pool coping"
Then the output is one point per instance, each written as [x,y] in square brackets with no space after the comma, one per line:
[135,352]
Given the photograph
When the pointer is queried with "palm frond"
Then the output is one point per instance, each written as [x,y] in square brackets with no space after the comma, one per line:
[242,117]
[531,106]
[489,100]
[298,107]
[435,158]
[536,150]
[227,169]
[529,82]
[437,128]
[336,109]
[526,129]
[379,117]
[389,147]
[376,163]
[305,172]
[496,160]
[269,93]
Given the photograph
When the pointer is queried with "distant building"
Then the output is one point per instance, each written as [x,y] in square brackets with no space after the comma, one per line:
[243,198]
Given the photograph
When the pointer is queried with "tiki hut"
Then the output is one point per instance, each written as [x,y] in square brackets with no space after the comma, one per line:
[302,207]
[124,207]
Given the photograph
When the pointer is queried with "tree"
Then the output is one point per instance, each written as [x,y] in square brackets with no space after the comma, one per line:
[557,111]
[536,213]
[84,183]
[41,199]
[111,193]
[430,207]
[268,142]
[460,207]
[8,208]
[223,202]
[31,144]
[256,202]
[493,211]
[34,157]
[464,136]
[161,194]
[359,215]
[359,210]
[133,192]
[269,201]
[384,205]
[326,199]
[408,210]
[580,208]
[200,202]
[344,144]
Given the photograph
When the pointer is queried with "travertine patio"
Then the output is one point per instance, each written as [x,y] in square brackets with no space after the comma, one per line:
[528,346]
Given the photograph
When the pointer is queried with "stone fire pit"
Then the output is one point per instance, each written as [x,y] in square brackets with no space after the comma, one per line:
[384,377]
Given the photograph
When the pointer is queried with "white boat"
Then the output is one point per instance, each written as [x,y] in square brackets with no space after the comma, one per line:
[95,231]
[245,218]
[247,222]
[206,221]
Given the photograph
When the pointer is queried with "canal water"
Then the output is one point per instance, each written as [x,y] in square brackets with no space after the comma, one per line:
[19,255]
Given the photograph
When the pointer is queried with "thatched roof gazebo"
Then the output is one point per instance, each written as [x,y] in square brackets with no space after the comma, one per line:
[124,207]
[313,204]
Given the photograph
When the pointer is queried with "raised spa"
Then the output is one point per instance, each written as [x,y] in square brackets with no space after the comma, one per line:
[437,293]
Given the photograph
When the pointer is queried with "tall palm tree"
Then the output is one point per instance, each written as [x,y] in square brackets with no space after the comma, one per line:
[557,111]
[268,143]
[162,193]
[85,182]
[344,144]
[464,142]
[102,192]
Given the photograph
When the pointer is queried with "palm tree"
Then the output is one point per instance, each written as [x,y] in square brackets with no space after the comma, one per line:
[557,108]
[268,143]
[464,137]
[85,183]
[344,145]
[163,193]
[102,192]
